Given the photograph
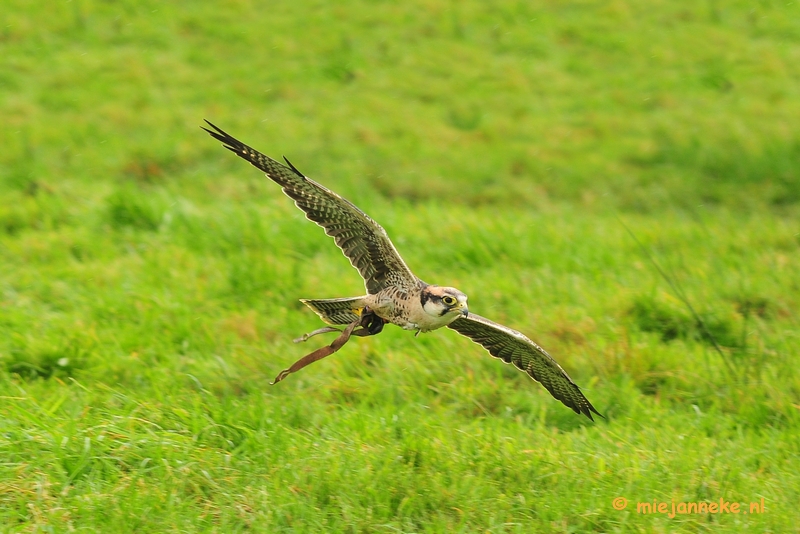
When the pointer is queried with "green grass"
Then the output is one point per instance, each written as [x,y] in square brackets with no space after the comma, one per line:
[149,279]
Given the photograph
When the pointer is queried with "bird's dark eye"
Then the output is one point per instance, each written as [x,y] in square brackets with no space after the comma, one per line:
[447,299]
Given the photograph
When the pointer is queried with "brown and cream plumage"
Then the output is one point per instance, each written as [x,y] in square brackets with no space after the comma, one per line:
[394,294]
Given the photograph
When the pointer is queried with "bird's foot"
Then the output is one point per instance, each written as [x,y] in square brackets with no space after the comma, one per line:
[371,323]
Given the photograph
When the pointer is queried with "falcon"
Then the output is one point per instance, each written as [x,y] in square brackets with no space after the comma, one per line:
[394,294]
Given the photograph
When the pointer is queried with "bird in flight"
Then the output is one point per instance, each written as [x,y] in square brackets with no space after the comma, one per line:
[394,294]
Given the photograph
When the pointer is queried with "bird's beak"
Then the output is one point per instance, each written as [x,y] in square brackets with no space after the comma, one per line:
[464,310]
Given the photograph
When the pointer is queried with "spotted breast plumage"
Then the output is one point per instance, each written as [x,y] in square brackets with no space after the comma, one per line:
[394,294]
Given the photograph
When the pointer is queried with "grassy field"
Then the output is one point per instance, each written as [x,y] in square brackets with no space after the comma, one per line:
[149,278]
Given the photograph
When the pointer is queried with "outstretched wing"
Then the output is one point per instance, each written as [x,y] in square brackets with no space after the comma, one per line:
[362,240]
[513,347]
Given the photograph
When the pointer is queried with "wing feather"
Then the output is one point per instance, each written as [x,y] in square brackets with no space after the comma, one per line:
[513,347]
[362,240]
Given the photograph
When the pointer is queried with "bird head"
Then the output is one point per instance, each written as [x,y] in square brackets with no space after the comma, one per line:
[444,302]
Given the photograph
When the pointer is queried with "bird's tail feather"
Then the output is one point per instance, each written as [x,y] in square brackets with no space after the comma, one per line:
[336,311]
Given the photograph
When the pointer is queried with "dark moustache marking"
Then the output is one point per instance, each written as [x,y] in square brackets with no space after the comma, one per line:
[425,295]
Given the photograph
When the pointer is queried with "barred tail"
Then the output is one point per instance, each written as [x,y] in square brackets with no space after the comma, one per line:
[336,311]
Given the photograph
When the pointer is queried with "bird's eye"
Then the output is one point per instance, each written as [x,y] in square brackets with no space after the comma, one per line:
[447,299]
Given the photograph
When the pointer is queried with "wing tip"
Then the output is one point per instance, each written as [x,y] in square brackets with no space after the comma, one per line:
[240,149]
[587,411]
[582,406]
[229,142]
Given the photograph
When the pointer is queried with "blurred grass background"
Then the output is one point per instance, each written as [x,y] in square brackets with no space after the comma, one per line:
[149,280]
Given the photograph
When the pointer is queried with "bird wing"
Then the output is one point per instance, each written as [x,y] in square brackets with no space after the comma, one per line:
[361,239]
[513,347]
